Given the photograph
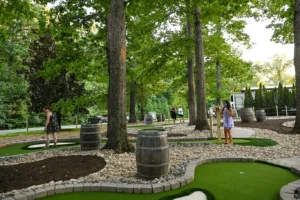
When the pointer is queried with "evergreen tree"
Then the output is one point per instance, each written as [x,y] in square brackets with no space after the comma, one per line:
[248,101]
[280,96]
[286,97]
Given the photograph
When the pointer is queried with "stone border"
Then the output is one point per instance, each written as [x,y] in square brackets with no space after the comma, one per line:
[286,192]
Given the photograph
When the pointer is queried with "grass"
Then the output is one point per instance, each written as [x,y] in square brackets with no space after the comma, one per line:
[222,180]
[36,132]
[21,148]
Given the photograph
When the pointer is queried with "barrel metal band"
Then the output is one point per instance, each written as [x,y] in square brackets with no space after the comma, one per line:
[160,148]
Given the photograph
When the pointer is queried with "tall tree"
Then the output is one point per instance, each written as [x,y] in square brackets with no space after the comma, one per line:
[132,114]
[297,62]
[201,123]
[117,124]
[285,17]
[191,88]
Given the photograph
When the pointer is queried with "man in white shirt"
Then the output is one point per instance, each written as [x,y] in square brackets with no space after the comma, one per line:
[180,114]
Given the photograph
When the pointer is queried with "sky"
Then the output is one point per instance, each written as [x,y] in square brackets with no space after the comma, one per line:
[264,48]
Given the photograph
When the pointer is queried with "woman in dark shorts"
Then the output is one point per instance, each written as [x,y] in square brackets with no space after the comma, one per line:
[173,113]
[51,126]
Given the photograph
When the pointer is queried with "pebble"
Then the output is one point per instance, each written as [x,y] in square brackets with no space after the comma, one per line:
[121,168]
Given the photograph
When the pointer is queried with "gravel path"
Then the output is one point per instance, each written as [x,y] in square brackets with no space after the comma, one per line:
[122,167]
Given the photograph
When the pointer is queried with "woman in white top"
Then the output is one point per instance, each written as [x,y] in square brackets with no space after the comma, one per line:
[180,114]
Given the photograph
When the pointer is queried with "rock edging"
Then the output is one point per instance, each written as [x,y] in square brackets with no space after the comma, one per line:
[286,192]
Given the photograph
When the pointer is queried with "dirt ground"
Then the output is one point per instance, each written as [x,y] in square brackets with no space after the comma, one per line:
[52,169]
[64,168]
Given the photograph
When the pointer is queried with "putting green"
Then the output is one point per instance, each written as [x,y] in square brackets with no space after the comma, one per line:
[22,149]
[225,180]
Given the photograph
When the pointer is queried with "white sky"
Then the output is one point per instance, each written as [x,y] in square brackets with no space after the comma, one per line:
[263,48]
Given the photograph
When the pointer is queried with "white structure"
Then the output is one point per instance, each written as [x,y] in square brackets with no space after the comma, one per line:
[237,100]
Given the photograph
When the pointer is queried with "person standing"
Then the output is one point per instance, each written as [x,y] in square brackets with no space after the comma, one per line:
[228,122]
[173,114]
[180,114]
[51,126]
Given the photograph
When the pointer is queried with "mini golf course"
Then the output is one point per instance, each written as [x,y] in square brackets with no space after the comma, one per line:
[23,148]
[221,180]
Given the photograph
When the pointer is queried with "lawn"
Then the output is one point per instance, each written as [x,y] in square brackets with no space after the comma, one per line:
[239,180]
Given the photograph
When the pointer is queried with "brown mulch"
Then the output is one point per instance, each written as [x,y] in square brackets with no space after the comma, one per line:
[24,175]
[273,125]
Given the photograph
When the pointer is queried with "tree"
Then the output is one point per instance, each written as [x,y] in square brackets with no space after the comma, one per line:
[259,97]
[248,101]
[286,23]
[297,62]
[201,123]
[44,90]
[275,70]
[191,88]
[117,127]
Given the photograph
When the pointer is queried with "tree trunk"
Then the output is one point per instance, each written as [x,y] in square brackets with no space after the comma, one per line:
[191,89]
[201,123]
[132,115]
[117,125]
[142,112]
[218,68]
[108,62]
[58,117]
[296,128]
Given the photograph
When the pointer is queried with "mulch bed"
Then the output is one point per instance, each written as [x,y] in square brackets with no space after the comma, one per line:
[20,176]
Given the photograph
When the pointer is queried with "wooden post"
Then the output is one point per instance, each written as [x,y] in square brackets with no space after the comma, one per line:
[219,124]
[277,110]
[27,124]
[286,112]
[211,126]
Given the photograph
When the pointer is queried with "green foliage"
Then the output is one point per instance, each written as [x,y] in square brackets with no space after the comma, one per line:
[158,104]
[248,101]
[259,102]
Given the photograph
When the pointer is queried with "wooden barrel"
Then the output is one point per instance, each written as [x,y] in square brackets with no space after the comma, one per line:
[152,153]
[260,115]
[89,136]
[247,115]
[159,118]
[148,119]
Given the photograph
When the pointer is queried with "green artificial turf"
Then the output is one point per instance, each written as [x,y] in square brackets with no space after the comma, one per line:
[21,148]
[36,132]
[223,180]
